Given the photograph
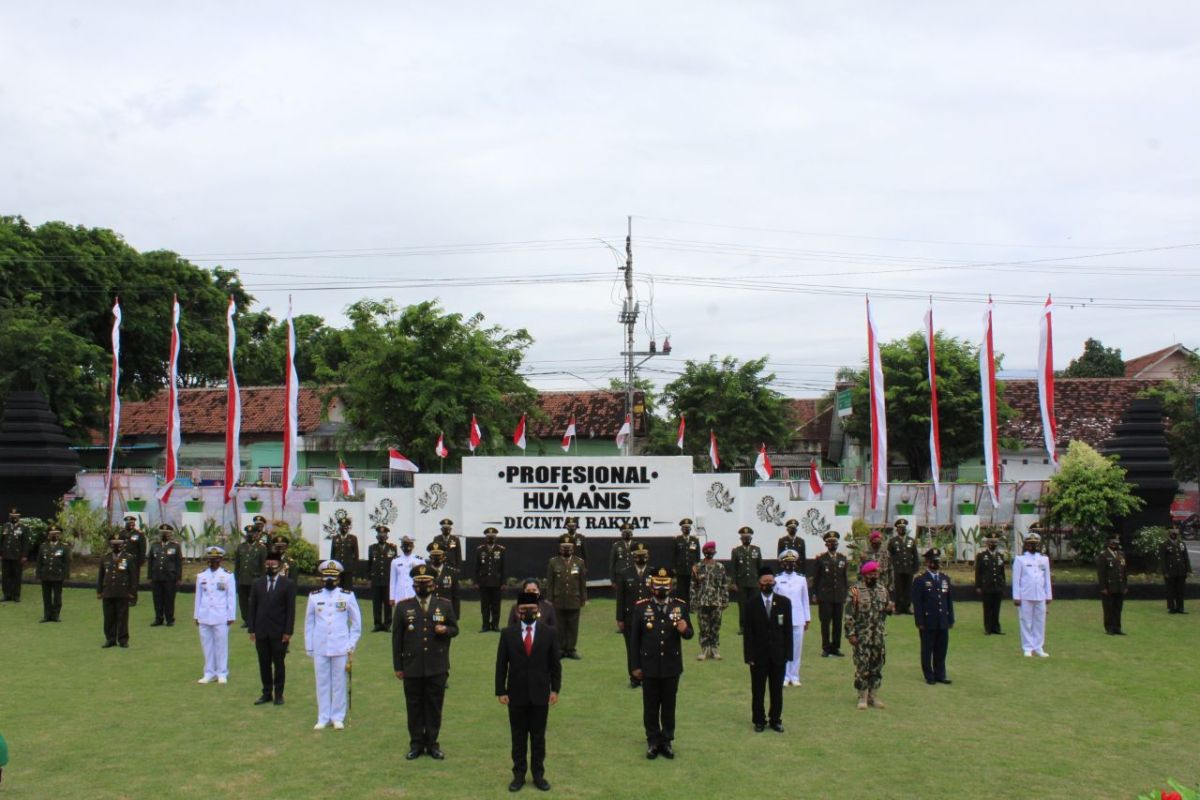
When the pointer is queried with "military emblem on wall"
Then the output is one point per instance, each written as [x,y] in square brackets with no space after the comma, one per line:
[815,524]
[384,514]
[332,525]
[719,497]
[770,511]
[434,498]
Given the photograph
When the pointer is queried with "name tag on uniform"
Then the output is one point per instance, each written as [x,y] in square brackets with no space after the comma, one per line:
[58,552]
[170,551]
[574,570]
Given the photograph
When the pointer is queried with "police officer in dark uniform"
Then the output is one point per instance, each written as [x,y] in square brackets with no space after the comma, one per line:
[631,586]
[905,560]
[744,564]
[990,584]
[489,577]
[166,572]
[686,554]
[422,628]
[828,584]
[1113,577]
[660,624]
[14,553]
[445,581]
[933,611]
[792,540]
[578,540]
[136,547]
[115,587]
[379,567]
[450,544]
[249,564]
[53,567]
[1176,566]
[344,550]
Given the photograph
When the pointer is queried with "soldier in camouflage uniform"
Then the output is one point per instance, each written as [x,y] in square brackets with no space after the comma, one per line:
[710,593]
[867,608]
[744,563]
[379,572]
[877,552]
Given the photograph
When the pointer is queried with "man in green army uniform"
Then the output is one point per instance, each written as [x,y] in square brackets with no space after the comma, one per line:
[1114,585]
[279,546]
[711,596]
[166,573]
[260,524]
[867,609]
[249,564]
[1176,566]
[577,539]
[744,563]
[566,589]
[792,540]
[905,561]
[14,553]
[990,584]
[620,556]
[379,568]
[630,586]
[53,567]
[450,544]
[114,588]
[344,550]
[137,547]
[828,584]
[686,554]
[445,578]
[489,577]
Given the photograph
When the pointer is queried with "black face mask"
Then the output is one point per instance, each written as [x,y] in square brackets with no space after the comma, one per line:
[529,616]
[116,547]
[627,535]
[789,566]
[871,580]
[641,562]
[662,594]
[166,537]
[214,564]
[770,589]
[272,569]
[435,562]
[831,547]
[565,552]
[933,566]
[424,590]
[407,548]
[381,539]
[746,541]
[330,583]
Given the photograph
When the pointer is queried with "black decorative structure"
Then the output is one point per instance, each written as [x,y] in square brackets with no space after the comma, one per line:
[37,465]
[1140,443]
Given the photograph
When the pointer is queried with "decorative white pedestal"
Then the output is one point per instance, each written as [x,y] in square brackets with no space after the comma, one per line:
[966,529]
[191,526]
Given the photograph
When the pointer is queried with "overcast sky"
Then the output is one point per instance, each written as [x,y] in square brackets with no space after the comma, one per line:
[779,161]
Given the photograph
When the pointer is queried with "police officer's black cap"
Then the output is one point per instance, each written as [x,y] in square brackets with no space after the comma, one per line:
[566,538]
[661,577]
[279,538]
[832,536]
[572,521]
[639,548]
[117,536]
[742,531]
[933,554]
[527,599]
[766,569]
[249,529]
[54,529]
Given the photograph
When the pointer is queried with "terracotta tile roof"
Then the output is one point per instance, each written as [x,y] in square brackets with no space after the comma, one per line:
[817,429]
[202,412]
[1086,408]
[598,414]
[1134,366]
[802,409]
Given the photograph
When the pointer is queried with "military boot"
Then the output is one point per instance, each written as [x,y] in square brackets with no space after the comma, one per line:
[862,701]
[703,654]
[873,700]
[716,654]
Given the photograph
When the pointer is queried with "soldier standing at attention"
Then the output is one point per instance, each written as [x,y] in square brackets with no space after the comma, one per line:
[379,565]
[489,577]
[660,624]
[745,562]
[829,585]
[344,550]
[422,628]
[135,545]
[566,589]
[332,626]
[712,596]
[14,552]
[793,541]
[577,538]
[867,610]
[1032,595]
[166,572]
[792,584]
[904,557]
[1114,585]
[53,567]
[620,557]
[445,579]
[450,544]
[249,564]
[1176,566]
[216,610]
[631,586]
[114,585]
[686,556]
[990,583]
[933,611]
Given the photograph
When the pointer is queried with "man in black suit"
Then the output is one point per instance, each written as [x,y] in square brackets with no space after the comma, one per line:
[660,624]
[272,617]
[767,646]
[528,679]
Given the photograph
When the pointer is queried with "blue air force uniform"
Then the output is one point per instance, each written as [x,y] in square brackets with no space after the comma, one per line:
[933,611]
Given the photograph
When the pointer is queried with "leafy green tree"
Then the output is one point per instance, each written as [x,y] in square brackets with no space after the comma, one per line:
[412,373]
[733,399]
[1096,361]
[262,348]
[960,411]
[1179,398]
[1088,493]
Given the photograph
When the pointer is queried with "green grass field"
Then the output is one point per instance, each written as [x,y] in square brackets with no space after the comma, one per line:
[1104,717]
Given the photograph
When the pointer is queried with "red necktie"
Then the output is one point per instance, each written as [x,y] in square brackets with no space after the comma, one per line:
[529,640]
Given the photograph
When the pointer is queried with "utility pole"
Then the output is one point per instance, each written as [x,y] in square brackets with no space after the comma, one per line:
[628,318]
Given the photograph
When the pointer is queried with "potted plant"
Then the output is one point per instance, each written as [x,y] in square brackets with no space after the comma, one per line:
[905,506]
[312,506]
[967,509]
[135,504]
[841,509]
[1027,506]
[194,503]
[253,505]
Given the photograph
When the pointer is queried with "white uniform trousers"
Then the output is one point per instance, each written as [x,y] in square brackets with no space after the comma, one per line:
[214,640]
[1032,614]
[331,688]
[791,671]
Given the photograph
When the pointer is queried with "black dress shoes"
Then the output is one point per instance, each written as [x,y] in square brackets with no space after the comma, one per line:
[516,784]
[759,728]
[777,727]
[651,752]
[930,681]
[279,701]
[415,753]
[665,750]
[262,701]
[436,752]
[944,680]
[108,644]
[542,784]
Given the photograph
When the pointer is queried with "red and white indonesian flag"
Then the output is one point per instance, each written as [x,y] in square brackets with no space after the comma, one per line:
[816,486]
[987,381]
[762,464]
[1046,384]
[679,436]
[475,436]
[233,411]
[879,452]
[114,405]
[440,448]
[173,435]
[519,433]
[713,455]
[625,432]
[935,440]
[398,461]
[347,483]
[568,435]
[291,438]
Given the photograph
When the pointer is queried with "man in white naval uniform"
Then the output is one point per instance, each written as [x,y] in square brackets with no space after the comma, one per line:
[216,610]
[332,625]
[1031,595]
[402,566]
[794,586]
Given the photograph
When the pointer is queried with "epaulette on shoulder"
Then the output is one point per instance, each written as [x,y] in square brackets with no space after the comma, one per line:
[679,600]
[642,602]
[314,592]
[346,591]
